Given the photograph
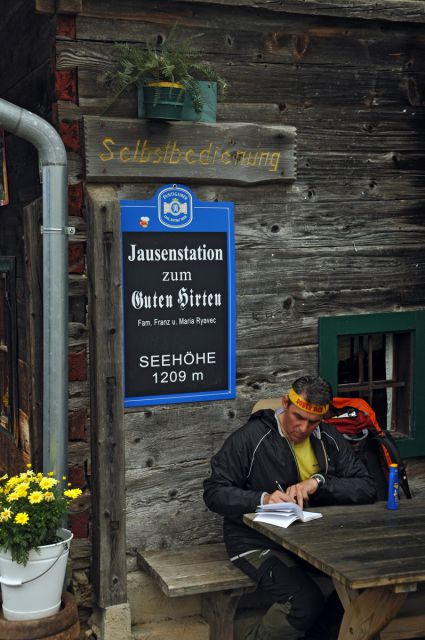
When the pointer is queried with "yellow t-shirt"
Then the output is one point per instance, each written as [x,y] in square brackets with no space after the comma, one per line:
[307,461]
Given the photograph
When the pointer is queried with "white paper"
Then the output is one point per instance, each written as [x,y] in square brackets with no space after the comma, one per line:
[282,514]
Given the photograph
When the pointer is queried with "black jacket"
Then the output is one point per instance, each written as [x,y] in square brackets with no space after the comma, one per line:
[256,456]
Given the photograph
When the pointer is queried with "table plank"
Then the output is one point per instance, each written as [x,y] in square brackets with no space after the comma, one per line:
[361,546]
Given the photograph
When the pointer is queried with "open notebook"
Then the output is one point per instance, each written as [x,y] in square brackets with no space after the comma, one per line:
[282,514]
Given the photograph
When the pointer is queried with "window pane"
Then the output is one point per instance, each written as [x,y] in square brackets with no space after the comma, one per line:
[377,367]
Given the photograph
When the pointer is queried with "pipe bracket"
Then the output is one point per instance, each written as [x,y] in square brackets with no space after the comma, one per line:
[68,231]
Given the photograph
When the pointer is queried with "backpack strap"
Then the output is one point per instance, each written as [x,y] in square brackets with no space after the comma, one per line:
[388,447]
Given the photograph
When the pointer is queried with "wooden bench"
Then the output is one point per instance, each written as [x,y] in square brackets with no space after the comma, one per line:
[205,570]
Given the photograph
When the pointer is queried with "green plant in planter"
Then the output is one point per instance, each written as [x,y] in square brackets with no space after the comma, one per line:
[175,62]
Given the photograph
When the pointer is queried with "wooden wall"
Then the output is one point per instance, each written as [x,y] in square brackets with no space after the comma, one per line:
[25,79]
[346,237]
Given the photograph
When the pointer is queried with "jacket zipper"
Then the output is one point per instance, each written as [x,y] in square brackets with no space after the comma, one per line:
[325,456]
[294,456]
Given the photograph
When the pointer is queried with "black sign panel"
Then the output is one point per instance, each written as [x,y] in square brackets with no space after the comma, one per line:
[178,303]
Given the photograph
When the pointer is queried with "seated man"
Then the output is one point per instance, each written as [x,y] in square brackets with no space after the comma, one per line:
[286,456]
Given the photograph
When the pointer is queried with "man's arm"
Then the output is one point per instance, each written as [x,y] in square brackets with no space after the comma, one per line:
[224,490]
[350,482]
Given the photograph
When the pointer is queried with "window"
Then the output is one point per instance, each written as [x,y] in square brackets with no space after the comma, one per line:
[8,347]
[379,357]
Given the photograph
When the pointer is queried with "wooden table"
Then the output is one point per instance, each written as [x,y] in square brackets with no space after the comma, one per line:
[375,557]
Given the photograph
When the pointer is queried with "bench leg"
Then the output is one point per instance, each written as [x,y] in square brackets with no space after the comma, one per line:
[218,609]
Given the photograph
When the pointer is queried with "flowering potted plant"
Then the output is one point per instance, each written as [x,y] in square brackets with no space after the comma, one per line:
[33,545]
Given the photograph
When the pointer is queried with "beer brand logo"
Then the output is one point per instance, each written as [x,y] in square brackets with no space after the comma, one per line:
[144,222]
[175,207]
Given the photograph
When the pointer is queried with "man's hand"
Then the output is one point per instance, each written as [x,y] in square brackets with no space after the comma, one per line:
[277,496]
[300,492]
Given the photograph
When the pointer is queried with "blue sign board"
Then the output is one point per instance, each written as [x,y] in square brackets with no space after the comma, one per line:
[178,298]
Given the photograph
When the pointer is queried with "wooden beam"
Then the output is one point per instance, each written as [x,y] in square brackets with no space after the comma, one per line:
[393,10]
[370,612]
[70,7]
[45,6]
[404,627]
[107,414]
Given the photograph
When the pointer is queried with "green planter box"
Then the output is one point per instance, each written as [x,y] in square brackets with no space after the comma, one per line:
[208,113]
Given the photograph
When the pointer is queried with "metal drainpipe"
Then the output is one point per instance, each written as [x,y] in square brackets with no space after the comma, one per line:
[53,160]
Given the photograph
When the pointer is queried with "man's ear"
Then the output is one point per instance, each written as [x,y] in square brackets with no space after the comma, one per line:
[285,401]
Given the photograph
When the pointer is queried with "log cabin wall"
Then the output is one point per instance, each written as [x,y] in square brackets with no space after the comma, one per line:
[345,238]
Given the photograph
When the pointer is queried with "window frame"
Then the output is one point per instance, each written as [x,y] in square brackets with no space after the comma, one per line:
[330,327]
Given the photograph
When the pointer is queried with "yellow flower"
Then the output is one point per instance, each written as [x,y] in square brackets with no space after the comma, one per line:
[72,493]
[29,466]
[12,496]
[5,515]
[49,496]
[12,482]
[21,489]
[21,518]
[47,483]
[35,497]
[4,477]
[51,473]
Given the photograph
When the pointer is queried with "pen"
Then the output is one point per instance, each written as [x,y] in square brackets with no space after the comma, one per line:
[279,486]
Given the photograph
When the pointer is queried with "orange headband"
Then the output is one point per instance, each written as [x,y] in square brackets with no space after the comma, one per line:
[307,406]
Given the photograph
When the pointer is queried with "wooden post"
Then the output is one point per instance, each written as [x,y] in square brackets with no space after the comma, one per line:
[107,413]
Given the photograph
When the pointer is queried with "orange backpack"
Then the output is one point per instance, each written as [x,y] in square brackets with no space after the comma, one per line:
[376,447]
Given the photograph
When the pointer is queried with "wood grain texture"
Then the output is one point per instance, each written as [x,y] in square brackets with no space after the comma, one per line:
[367,543]
[406,11]
[109,565]
[200,569]
[142,151]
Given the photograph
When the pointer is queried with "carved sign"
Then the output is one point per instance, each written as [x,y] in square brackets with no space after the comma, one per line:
[146,150]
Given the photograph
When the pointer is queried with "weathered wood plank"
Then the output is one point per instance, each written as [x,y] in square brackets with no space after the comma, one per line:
[106,371]
[314,224]
[165,500]
[70,7]
[404,627]
[406,11]
[142,150]
[367,188]
[270,38]
[309,86]
[200,569]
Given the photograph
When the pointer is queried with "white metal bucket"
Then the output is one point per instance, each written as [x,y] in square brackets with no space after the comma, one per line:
[34,591]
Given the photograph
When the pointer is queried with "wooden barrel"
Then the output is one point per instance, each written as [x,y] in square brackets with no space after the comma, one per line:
[64,625]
